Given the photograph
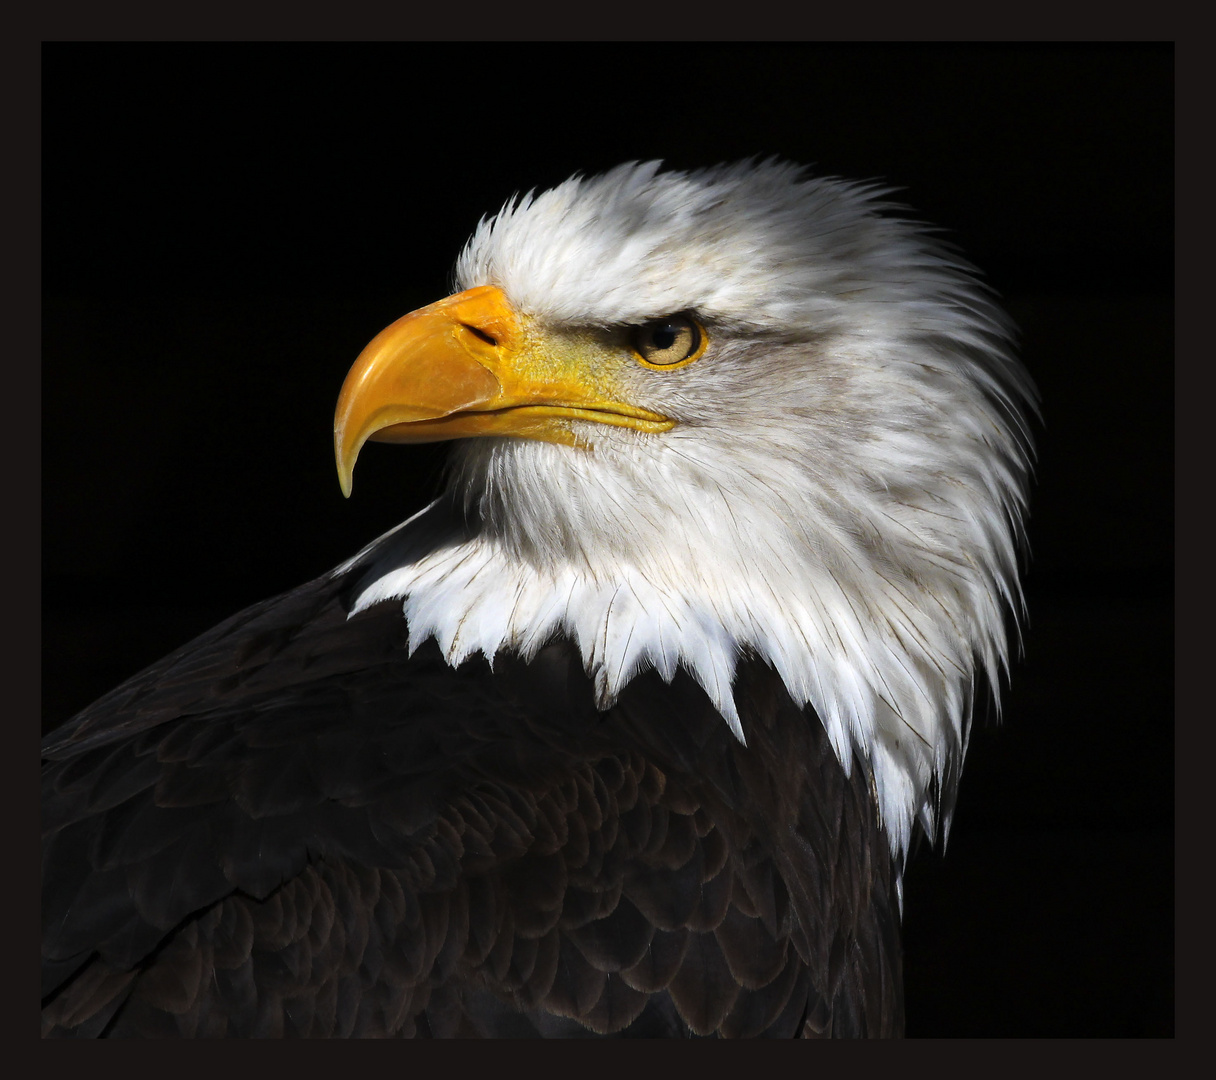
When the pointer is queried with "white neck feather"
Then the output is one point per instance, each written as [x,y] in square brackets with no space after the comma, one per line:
[882,645]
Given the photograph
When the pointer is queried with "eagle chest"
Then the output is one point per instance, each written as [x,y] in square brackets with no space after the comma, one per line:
[478,855]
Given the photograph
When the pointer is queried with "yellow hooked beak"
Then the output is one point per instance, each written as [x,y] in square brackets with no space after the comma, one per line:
[470,365]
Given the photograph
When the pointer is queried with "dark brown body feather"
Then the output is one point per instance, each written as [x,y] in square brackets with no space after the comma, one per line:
[289,828]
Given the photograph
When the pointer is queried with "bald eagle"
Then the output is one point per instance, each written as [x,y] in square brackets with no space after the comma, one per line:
[629,731]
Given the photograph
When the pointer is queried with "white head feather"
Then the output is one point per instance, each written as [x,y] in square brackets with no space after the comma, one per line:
[842,494]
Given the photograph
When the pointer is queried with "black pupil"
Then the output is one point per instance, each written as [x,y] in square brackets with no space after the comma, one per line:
[663,337]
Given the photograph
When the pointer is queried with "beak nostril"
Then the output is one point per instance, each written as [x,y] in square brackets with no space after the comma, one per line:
[487,338]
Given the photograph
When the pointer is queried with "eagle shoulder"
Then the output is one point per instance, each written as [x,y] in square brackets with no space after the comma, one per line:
[294,826]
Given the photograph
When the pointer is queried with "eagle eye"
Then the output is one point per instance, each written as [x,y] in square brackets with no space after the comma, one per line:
[672,340]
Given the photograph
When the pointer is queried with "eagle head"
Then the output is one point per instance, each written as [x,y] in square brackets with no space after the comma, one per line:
[740,409]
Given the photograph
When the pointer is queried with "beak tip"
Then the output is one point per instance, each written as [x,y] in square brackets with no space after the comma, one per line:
[345,466]
[346,479]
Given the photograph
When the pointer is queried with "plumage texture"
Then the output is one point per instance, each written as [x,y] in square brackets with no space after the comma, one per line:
[622,738]
[281,829]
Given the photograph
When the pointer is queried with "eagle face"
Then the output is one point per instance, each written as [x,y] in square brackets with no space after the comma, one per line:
[738,410]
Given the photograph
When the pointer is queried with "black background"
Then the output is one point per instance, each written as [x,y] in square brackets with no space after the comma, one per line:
[225,226]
